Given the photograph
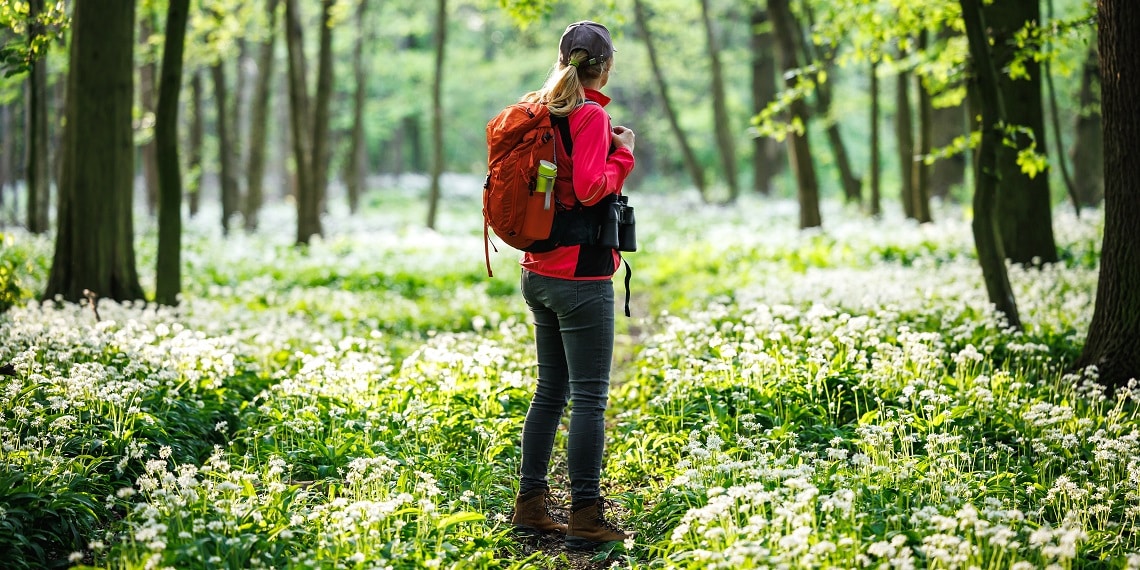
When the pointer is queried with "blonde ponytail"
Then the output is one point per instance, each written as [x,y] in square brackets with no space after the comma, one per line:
[563,91]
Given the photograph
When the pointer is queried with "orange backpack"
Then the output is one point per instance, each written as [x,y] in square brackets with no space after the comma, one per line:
[517,139]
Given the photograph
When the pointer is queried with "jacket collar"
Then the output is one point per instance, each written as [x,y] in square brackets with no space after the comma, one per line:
[597,97]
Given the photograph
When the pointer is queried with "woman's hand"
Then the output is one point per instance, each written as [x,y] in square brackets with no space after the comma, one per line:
[623,137]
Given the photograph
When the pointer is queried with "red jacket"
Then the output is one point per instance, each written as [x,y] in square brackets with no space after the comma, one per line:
[588,175]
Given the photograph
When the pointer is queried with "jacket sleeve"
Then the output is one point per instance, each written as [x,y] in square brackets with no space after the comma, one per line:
[597,171]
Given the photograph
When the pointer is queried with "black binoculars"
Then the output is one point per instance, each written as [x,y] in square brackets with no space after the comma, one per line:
[618,230]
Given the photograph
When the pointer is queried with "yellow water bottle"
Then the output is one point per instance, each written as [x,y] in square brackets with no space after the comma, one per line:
[546,172]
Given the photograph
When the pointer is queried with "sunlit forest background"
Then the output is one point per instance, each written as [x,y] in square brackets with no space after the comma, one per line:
[883,303]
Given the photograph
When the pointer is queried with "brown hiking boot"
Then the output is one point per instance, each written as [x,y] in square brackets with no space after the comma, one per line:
[589,528]
[532,513]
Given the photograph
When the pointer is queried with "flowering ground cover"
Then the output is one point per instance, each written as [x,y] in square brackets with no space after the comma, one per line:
[834,399]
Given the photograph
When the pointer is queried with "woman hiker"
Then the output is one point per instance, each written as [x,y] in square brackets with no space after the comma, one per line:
[571,293]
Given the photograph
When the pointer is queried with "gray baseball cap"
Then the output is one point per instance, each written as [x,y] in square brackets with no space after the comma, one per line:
[586,35]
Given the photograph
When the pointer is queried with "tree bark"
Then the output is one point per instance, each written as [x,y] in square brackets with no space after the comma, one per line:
[37,172]
[5,172]
[197,137]
[227,179]
[168,271]
[320,160]
[1088,144]
[696,173]
[904,135]
[356,168]
[437,112]
[724,137]
[921,185]
[947,124]
[799,146]
[876,208]
[259,122]
[985,223]
[850,183]
[94,246]
[148,73]
[1113,342]
[308,200]
[1024,204]
[767,155]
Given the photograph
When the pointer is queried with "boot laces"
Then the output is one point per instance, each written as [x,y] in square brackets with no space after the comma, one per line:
[603,504]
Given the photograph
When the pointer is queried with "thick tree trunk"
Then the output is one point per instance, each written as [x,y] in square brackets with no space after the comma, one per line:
[696,173]
[767,154]
[227,179]
[320,160]
[1088,144]
[437,112]
[985,223]
[725,141]
[259,122]
[308,199]
[1113,343]
[37,172]
[921,184]
[876,208]
[799,147]
[94,248]
[904,135]
[1024,204]
[168,269]
[356,168]
[148,73]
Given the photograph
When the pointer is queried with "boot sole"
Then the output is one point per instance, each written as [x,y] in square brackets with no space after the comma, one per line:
[531,532]
[579,543]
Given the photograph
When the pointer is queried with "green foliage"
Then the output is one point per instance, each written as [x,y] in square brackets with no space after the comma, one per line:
[18,52]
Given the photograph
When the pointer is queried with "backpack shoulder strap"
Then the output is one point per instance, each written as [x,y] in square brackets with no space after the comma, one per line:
[562,125]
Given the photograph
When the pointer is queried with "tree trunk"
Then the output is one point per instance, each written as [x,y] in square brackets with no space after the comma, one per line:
[197,137]
[168,271]
[696,173]
[5,172]
[1113,342]
[94,246]
[148,73]
[921,185]
[852,186]
[799,147]
[947,124]
[1088,144]
[767,155]
[724,137]
[904,134]
[1024,204]
[227,179]
[437,112]
[876,209]
[320,160]
[37,173]
[985,223]
[308,200]
[412,135]
[356,168]
[259,122]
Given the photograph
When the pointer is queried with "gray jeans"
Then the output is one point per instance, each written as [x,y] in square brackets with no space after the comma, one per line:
[574,335]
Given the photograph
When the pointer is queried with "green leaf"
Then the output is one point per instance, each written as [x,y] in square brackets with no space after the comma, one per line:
[459,518]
